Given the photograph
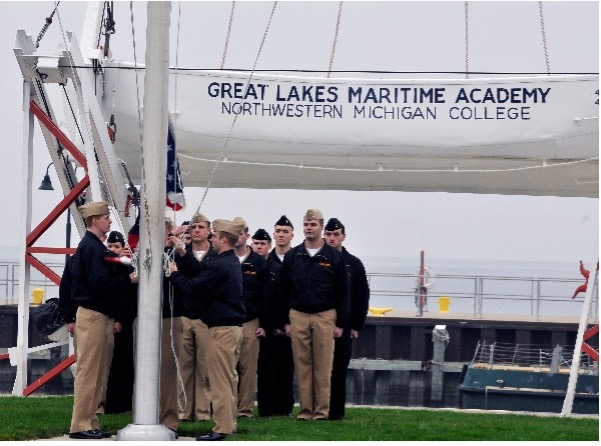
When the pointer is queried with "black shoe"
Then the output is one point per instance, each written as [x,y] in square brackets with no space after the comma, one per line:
[211,436]
[103,433]
[175,432]
[93,434]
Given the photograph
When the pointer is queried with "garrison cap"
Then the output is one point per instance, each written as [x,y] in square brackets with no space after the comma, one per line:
[334,224]
[313,214]
[197,218]
[94,208]
[115,237]
[242,222]
[232,227]
[261,234]
[283,221]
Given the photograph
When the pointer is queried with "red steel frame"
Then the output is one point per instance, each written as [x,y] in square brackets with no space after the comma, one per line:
[41,228]
[587,348]
[79,188]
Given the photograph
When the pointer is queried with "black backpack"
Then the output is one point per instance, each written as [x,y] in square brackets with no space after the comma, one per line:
[46,317]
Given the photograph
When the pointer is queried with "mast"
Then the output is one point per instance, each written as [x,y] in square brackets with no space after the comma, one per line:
[148,337]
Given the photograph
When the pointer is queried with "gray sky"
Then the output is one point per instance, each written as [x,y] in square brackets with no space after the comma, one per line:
[504,36]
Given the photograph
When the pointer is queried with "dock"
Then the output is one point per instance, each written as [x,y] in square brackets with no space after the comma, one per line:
[393,359]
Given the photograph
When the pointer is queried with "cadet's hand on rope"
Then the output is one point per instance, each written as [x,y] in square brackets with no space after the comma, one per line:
[338,332]
[117,327]
[133,277]
[287,329]
[260,332]
[173,267]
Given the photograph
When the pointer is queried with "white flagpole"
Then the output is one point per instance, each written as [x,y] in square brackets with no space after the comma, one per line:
[152,232]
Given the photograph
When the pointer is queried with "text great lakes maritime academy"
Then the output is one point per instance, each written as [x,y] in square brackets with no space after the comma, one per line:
[327,101]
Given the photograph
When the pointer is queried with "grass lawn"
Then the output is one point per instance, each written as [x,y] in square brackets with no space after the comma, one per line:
[47,417]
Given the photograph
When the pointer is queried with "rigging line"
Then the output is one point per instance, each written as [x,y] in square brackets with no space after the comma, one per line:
[86,122]
[228,35]
[335,42]
[40,89]
[467,39]
[104,5]
[180,380]
[294,70]
[95,65]
[46,25]
[225,143]
[544,36]
[147,259]
[346,169]
[172,122]
[73,113]
[61,153]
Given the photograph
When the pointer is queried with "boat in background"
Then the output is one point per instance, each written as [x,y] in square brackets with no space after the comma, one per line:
[520,378]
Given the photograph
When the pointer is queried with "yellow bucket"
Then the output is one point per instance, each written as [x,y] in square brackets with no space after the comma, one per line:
[38,296]
[443,303]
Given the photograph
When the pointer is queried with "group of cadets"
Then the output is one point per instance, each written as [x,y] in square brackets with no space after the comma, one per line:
[245,318]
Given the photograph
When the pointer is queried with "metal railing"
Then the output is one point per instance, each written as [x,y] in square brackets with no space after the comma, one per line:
[9,282]
[486,294]
[469,294]
[489,355]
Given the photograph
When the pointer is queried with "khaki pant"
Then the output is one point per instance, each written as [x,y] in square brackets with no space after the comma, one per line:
[247,368]
[108,359]
[312,337]
[169,380]
[92,333]
[193,365]
[222,356]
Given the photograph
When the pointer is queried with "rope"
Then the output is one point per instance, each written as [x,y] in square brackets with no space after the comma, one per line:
[73,113]
[88,128]
[180,380]
[173,123]
[147,259]
[542,28]
[227,36]
[467,39]
[380,170]
[335,42]
[293,70]
[46,26]
[225,143]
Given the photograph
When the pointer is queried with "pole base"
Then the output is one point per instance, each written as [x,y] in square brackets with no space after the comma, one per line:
[145,432]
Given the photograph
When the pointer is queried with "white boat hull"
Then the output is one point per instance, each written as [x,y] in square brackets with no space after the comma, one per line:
[525,136]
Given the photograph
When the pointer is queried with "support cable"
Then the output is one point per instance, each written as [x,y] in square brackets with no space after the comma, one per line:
[147,260]
[228,35]
[380,170]
[183,401]
[335,41]
[544,37]
[467,39]
[229,135]
[46,26]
